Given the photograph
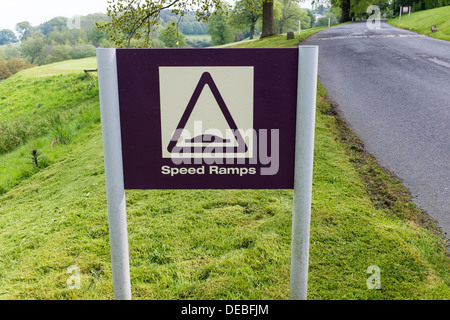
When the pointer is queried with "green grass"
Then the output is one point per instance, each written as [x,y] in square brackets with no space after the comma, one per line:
[214,244]
[276,41]
[63,67]
[41,113]
[422,21]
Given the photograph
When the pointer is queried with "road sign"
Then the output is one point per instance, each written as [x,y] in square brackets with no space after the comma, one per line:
[208,118]
[205,119]
[404,9]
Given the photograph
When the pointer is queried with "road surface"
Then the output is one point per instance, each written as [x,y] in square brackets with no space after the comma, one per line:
[393,88]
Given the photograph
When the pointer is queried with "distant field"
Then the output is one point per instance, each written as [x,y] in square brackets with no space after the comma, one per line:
[199,37]
[63,67]
[422,21]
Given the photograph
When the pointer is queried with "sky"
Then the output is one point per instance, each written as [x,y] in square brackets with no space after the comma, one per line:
[39,11]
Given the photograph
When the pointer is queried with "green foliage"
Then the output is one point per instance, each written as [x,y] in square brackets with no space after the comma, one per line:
[56,40]
[58,53]
[187,23]
[418,5]
[7,36]
[131,20]
[62,134]
[9,51]
[82,51]
[12,66]
[219,29]
[171,36]
[24,29]
[291,13]
[34,49]
[246,14]
[311,17]
[321,22]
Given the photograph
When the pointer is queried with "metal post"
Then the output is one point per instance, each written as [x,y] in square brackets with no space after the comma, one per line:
[328,22]
[115,191]
[299,27]
[304,149]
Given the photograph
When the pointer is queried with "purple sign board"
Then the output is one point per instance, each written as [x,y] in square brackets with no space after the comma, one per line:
[208,119]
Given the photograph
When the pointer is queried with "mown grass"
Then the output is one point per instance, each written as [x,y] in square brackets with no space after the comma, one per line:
[219,244]
[422,21]
[63,67]
[276,41]
[41,113]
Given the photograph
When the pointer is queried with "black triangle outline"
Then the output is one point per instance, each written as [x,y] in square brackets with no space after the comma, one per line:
[206,79]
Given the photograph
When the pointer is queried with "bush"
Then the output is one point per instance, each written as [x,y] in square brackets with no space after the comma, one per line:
[4,71]
[59,53]
[12,66]
[321,22]
[82,51]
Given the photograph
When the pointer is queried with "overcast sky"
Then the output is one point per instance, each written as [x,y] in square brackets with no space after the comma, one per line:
[39,11]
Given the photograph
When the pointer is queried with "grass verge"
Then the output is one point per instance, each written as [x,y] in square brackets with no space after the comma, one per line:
[276,41]
[422,21]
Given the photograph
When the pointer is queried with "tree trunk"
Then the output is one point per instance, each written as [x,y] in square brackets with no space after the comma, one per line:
[252,31]
[268,25]
[345,11]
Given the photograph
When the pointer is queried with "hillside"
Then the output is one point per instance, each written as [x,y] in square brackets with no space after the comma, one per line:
[422,21]
[194,244]
[63,67]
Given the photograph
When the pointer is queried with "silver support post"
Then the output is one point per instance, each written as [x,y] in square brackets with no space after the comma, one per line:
[115,191]
[304,152]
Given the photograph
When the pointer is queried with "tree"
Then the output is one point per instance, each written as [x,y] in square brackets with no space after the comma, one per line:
[359,7]
[11,51]
[96,36]
[349,7]
[138,19]
[219,29]
[171,36]
[321,22]
[7,36]
[291,13]
[24,29]
[58,24]
[34,48]
[311,17]
[268,23]
[246,13]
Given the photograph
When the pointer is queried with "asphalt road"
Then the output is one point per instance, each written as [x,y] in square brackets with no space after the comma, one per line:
[393,88]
